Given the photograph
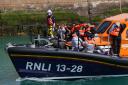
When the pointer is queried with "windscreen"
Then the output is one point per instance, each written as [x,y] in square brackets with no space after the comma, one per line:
[102,28]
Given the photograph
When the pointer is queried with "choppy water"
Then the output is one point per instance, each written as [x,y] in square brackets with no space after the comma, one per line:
[8,75]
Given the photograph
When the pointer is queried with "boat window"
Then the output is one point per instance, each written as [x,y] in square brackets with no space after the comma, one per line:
[102,28]
[123,26]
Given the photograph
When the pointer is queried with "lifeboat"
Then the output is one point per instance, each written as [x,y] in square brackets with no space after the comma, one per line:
[55,63]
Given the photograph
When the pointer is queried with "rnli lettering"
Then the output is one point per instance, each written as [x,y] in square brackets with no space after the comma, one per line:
[34,66]
[38,66]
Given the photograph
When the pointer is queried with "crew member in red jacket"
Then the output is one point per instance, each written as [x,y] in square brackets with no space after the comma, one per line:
[50,23]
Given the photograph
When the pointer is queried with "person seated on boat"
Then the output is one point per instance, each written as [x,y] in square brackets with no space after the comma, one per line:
[90,31]
[61,32]
[82,31]
[68,32]
[89,42]
[76,42]
[89,45]
[50,23]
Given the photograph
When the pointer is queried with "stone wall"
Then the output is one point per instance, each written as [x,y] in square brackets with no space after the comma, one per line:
[80,6]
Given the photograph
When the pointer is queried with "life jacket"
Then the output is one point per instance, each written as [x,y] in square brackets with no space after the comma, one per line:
[82,32]
[115,31]
[88,29]
[77,27]
[74,28]
[50,22]
[87,33]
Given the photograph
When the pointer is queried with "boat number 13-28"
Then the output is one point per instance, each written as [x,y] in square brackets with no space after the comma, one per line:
[73,68]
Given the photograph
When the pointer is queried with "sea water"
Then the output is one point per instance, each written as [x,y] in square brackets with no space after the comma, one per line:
[9,76]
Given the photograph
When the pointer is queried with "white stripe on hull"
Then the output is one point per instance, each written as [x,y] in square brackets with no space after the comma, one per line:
[67,78]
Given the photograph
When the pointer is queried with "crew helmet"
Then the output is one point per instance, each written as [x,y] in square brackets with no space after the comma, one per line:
[49,12]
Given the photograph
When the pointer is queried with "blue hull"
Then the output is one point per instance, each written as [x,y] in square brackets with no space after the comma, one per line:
[52,63]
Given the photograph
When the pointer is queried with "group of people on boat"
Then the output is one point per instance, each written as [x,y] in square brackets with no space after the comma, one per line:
[81,36]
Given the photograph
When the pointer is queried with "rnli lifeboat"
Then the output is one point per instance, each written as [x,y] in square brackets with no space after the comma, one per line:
[55,63]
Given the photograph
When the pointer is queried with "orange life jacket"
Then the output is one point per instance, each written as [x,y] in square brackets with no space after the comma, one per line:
[115,32]
[77,27]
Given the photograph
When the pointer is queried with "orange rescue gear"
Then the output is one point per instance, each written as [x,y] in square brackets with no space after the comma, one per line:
[77,27]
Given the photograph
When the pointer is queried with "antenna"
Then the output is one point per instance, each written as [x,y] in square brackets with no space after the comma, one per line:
[120,2]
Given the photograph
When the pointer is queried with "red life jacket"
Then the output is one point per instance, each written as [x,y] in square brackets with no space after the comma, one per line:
[74,28]
[50,22]
[115,32]
[81,32]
